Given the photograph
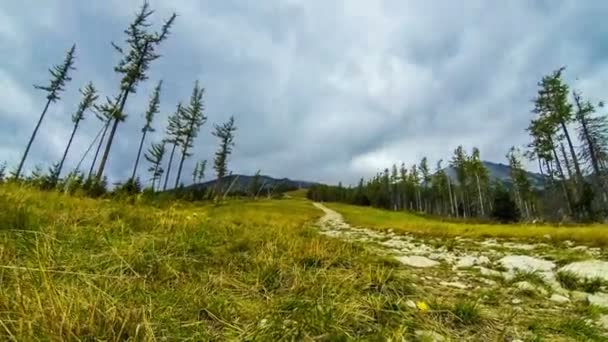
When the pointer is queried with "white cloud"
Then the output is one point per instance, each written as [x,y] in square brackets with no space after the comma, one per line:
[323,90]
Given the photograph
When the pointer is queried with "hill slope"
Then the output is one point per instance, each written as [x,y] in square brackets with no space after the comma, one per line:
[243,182]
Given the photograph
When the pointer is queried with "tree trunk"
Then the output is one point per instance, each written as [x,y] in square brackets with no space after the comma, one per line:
[103,136]
[480,196]
[141,145]
[577,168]
[567,162]
[65,153]
[154,177]
[29,144]
[179,169]
[563,182]
[450,196]
[125,95]
[169,166]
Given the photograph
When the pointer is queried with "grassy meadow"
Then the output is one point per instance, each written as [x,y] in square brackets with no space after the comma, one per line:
[79,269]
[82,269]
[595,234]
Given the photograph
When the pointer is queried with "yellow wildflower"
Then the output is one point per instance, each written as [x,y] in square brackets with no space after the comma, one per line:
[422,306]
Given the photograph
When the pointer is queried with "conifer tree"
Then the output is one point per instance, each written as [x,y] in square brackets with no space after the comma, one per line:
[192,118]
[201,171]
[195,172]
[89,96]
[174,135]
[225,133]
[426,180]
[459,163]
[104,113]
[60,75]
[254,186]
[153,107]
[155,157]
[133,66]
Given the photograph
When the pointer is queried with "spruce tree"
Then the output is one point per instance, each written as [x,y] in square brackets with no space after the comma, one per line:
[225,133]
[155,157]
[133,66]
[174,134]
[89,96]
[192,118]
[60,75]
[153,108]
[201,171]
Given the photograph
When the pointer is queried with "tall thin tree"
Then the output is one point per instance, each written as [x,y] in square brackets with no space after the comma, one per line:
[192,118]
[60,75]
[174,134]
[153,107]
[133,66]
[155,157]
[225,133]
[89,96]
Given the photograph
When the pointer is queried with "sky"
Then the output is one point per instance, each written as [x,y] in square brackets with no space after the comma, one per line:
[320,90]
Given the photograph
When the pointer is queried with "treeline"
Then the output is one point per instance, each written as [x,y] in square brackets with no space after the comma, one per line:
[136,58]
[574,169]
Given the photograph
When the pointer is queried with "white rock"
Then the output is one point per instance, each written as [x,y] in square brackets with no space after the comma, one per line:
[410,303]
[469,261]
[580,248]
[488,281]
[559,298]
[526,264]
[547,237]
[455,284]
[427,335]
[526,286]
[579,296]
[488,272]
[568,243]
[516,301]
[417,261]
[589,269]
[598,299]
[517,340]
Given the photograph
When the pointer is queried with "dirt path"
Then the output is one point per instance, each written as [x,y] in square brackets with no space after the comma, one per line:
[536,281]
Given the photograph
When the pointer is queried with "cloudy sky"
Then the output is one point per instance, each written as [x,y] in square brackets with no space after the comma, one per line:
[320,90]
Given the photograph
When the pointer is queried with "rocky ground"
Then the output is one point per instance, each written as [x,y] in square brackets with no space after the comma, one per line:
[536,291]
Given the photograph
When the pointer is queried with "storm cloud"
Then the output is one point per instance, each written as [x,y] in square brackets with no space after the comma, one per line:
[320,90]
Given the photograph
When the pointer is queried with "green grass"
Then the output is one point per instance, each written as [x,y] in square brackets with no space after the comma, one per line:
[596,234]
[81,269]
[74,269]
[570,281]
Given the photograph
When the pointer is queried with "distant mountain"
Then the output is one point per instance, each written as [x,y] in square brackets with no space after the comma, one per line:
[242,183]
[502,172]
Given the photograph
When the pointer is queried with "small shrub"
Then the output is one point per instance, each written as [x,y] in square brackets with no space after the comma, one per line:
[467,312]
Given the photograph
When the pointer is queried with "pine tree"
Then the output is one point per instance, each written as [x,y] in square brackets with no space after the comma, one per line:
[254,186]
[521,184]
[133,66]
[104,113]
[201,171]
[479,171]
[153,109]
[60,76]
[426,180]
[195,172]
[89,96]
[459,163]
[192,118]
[225,133]
[155,157]
[593,133]
[2,172]
[174,134]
